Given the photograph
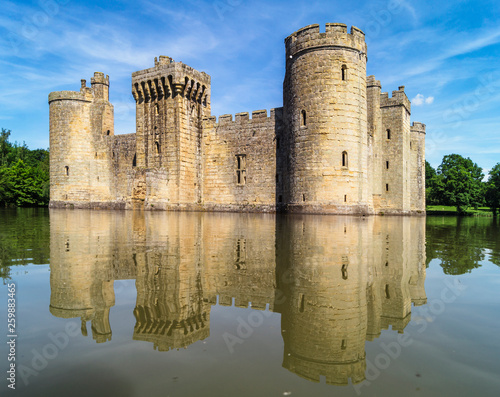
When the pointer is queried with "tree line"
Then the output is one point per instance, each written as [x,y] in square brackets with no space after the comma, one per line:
[459,182]
[24,174]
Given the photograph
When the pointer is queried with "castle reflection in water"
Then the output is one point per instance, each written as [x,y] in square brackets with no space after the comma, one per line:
[337,281]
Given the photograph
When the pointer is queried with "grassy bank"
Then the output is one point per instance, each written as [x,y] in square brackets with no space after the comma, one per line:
[448,210]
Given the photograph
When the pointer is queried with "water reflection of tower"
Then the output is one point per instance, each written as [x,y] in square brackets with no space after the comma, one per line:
[81,279]
[396,273]
[341,281]
[322,269]
[170,311]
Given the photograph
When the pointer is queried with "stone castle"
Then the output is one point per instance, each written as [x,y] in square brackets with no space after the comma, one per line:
[338,145]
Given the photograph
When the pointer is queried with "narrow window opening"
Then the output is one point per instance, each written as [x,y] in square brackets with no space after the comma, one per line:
[410,144]
[66,170]
[344,272]
[241,176]
[108,132]
[344,344]
[95,154]
[388,134]
[134,162]
[345,198]
[387,293]
[303,197]
[344,73]
[345,160]
[387,165]
[240,253]
[386,187]
[386,264]
[157,148]
[303,118]
[301,303]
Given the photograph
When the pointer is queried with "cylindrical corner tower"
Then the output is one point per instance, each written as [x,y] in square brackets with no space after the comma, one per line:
[71,146]
[325,113]
[81,136]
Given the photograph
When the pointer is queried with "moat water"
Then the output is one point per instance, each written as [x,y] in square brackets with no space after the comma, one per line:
[199,304]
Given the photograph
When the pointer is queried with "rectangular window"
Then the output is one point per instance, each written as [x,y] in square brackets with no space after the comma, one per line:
[386,187]
[387,165]
[241,169]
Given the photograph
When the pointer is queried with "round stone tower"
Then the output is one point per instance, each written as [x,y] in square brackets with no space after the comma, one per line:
[81,133]
[325,115]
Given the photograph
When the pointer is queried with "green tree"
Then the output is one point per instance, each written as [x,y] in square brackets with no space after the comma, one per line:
[462,182]
[433,186]
[5,147]
[492,191]
[24,174]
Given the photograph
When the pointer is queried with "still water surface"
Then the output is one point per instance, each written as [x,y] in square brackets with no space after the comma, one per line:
[194,304]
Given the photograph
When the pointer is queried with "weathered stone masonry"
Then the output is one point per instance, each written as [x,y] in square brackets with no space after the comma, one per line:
[338,145]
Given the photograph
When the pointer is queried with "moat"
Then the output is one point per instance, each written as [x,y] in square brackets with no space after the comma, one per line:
[134,303]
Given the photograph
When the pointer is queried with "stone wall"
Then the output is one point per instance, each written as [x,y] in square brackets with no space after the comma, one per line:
[239,161]
[396,152]
[417,167]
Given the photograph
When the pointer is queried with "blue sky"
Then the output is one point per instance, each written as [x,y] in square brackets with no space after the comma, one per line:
[446,54]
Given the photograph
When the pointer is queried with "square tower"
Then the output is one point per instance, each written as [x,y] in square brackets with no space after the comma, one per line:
[171,101]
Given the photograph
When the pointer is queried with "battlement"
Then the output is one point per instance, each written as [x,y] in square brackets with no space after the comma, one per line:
[399,98]
[372,82]
[418,127]
[99,78]
[335,35]
[168,79]
[85,95]
[99,90]
[250,302]
[257,116]
[164,60]
[336,373]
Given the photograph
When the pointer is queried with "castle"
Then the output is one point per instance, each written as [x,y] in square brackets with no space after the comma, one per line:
[338,145]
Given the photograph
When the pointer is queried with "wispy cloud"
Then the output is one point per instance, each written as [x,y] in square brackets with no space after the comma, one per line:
[420,99]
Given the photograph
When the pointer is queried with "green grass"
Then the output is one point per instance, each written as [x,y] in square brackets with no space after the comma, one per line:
[449,210]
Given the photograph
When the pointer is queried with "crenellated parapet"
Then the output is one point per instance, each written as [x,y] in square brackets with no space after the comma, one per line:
[418,127]
[335,36]
[170,79]
[258,116]
[372,82]
[85,95]
[398,98]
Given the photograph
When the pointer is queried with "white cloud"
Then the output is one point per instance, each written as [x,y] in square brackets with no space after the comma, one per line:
[420,99]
